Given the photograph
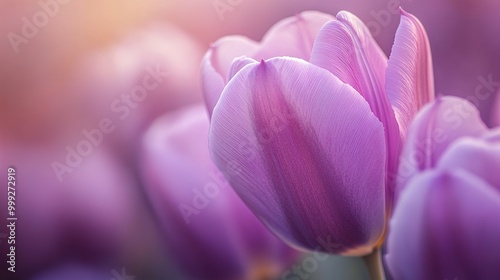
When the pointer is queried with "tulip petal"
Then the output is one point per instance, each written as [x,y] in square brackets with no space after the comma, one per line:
[305,152]
[293,36]
[477,156]
[436,126]
[410,79]
[217,62]
[347,49]
[238,64]
[493,135]
[445,227]
[224,51]
[212,82]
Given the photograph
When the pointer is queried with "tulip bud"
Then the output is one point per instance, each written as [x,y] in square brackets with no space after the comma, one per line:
[321,181]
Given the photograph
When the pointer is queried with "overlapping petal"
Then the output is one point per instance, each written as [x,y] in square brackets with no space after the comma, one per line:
[292,139]
[217,62]
[292,36]
[238,64]
[478,156]
[410,79]
[434,128]
[445,227]
[346,48]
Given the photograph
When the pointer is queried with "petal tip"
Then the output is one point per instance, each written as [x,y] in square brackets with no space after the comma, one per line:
[402,11]
[343,15]
[406,14]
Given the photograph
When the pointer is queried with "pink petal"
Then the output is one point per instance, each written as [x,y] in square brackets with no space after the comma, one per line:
[445,226]
[493,135]
[224,51]
[305,152]
[477,156]
[217,62]
[293,36]
[347,49]
[238,64]
[410,79]
[436,126]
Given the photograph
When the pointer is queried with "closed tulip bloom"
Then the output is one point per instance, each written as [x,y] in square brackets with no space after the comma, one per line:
[315,143]
[445,224]
[210,233]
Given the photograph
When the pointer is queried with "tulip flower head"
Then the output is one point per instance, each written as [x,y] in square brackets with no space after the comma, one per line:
[445,224]
[312,120]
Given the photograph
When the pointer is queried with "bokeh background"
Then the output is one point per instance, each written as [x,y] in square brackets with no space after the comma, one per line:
[61,73]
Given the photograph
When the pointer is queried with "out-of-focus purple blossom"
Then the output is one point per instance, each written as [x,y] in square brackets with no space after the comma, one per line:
[445,224]
[92,214]
[150,72]
[315,128]
[43,43]
[210,233]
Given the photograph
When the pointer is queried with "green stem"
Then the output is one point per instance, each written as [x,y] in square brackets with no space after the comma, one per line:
[373,263]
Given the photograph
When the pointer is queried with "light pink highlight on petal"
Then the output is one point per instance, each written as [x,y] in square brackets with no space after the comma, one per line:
[410,78]
[348,50]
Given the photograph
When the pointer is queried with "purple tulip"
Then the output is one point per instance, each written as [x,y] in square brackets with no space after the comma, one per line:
[146,74]
[311,146]
[445,224]
[210,232]
[93,213]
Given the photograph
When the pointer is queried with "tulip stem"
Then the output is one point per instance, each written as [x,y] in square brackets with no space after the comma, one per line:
[373,262]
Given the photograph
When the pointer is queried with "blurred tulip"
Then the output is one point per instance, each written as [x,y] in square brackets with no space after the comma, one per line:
[150,72]
[209,231]
[44,40]
[445,224]
[322,181]
[438,125]
[92,214]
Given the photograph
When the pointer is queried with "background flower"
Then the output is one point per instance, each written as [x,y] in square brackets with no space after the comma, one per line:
[444,224]
[209,231]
